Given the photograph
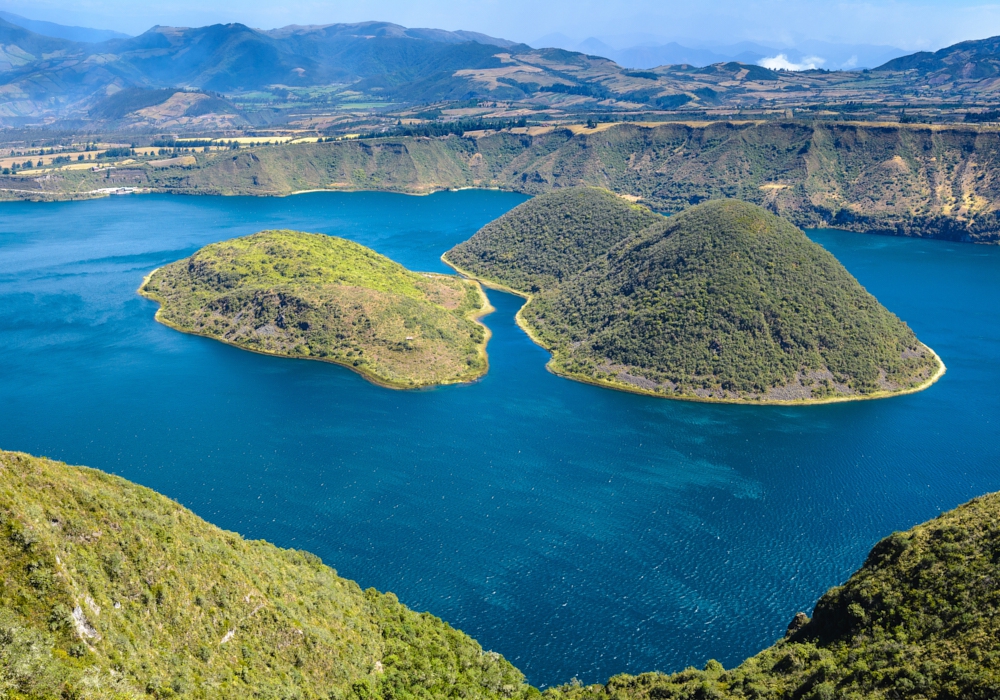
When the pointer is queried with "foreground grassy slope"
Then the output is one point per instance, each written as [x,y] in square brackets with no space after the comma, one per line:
[549,238]
[911,180]
[320,297]
[724,301]
[110,590]
[919,620]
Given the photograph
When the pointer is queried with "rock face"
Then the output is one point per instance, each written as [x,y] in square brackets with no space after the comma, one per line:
[724,302]
[319,297]
[798,622]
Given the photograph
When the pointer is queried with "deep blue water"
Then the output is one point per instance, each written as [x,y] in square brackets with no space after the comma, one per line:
[578,531]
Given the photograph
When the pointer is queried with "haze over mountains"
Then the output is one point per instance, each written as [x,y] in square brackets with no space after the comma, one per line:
[62,31]
[652,51]
[228,76]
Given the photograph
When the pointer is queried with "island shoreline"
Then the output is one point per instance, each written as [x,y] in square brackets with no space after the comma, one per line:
[485,310]
[621,386]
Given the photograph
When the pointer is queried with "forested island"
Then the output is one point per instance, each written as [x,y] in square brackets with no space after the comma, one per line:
[320,297]
[113,591]
[723,302]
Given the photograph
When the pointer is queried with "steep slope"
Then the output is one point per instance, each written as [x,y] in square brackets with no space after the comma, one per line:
[909,180]
[319,297]
[113,591]
[918,620]
[724,302]
[549,238]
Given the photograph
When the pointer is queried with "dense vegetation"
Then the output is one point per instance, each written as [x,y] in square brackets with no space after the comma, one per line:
[723,301]
[111,591]
[908,180]
[918,620]
[550,238]
[320,297]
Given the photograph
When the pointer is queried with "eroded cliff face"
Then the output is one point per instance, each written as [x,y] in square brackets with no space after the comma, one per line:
[908,180]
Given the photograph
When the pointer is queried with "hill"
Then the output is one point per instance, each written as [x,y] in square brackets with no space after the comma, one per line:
[549,238]
[724,301]
[918,620]
[319,297]
[966,61]
[111,591]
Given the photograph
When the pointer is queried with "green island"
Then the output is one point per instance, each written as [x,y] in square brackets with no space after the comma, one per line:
[723,302]
[320,297]
[113,591]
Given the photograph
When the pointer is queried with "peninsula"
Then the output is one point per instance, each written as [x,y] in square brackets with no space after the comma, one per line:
[723,302]
[320,297]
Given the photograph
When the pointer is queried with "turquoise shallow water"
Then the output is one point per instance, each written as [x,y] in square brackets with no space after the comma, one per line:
[579,531]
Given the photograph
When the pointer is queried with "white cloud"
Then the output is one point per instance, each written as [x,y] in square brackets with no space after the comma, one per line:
[781,62]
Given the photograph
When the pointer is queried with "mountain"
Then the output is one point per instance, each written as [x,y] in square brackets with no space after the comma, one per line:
[312,77]
[918,620]
[113,592]
[550,238]
[967,61]
[56,77]
[723,301]
[319,297]
[61,31]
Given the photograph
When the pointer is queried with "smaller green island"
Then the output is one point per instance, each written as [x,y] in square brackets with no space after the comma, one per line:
[319,297]
[723,302]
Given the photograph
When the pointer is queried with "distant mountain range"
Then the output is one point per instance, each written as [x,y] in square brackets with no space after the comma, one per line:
[652,53]
[61,31]
[231,75]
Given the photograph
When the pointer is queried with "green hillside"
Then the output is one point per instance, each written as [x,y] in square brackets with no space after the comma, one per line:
[325,298]
[111,591]
[907,180]
[549,238]
[724,301]
[918,621]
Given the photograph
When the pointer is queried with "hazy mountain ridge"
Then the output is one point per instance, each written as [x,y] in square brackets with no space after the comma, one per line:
[376,65]
[62,31]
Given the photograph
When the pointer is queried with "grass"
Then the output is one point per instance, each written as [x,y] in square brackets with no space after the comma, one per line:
[320,297]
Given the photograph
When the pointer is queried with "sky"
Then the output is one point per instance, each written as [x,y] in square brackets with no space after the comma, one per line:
[907,24]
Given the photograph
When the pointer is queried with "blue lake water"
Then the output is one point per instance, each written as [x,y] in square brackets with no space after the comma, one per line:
[578,531]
